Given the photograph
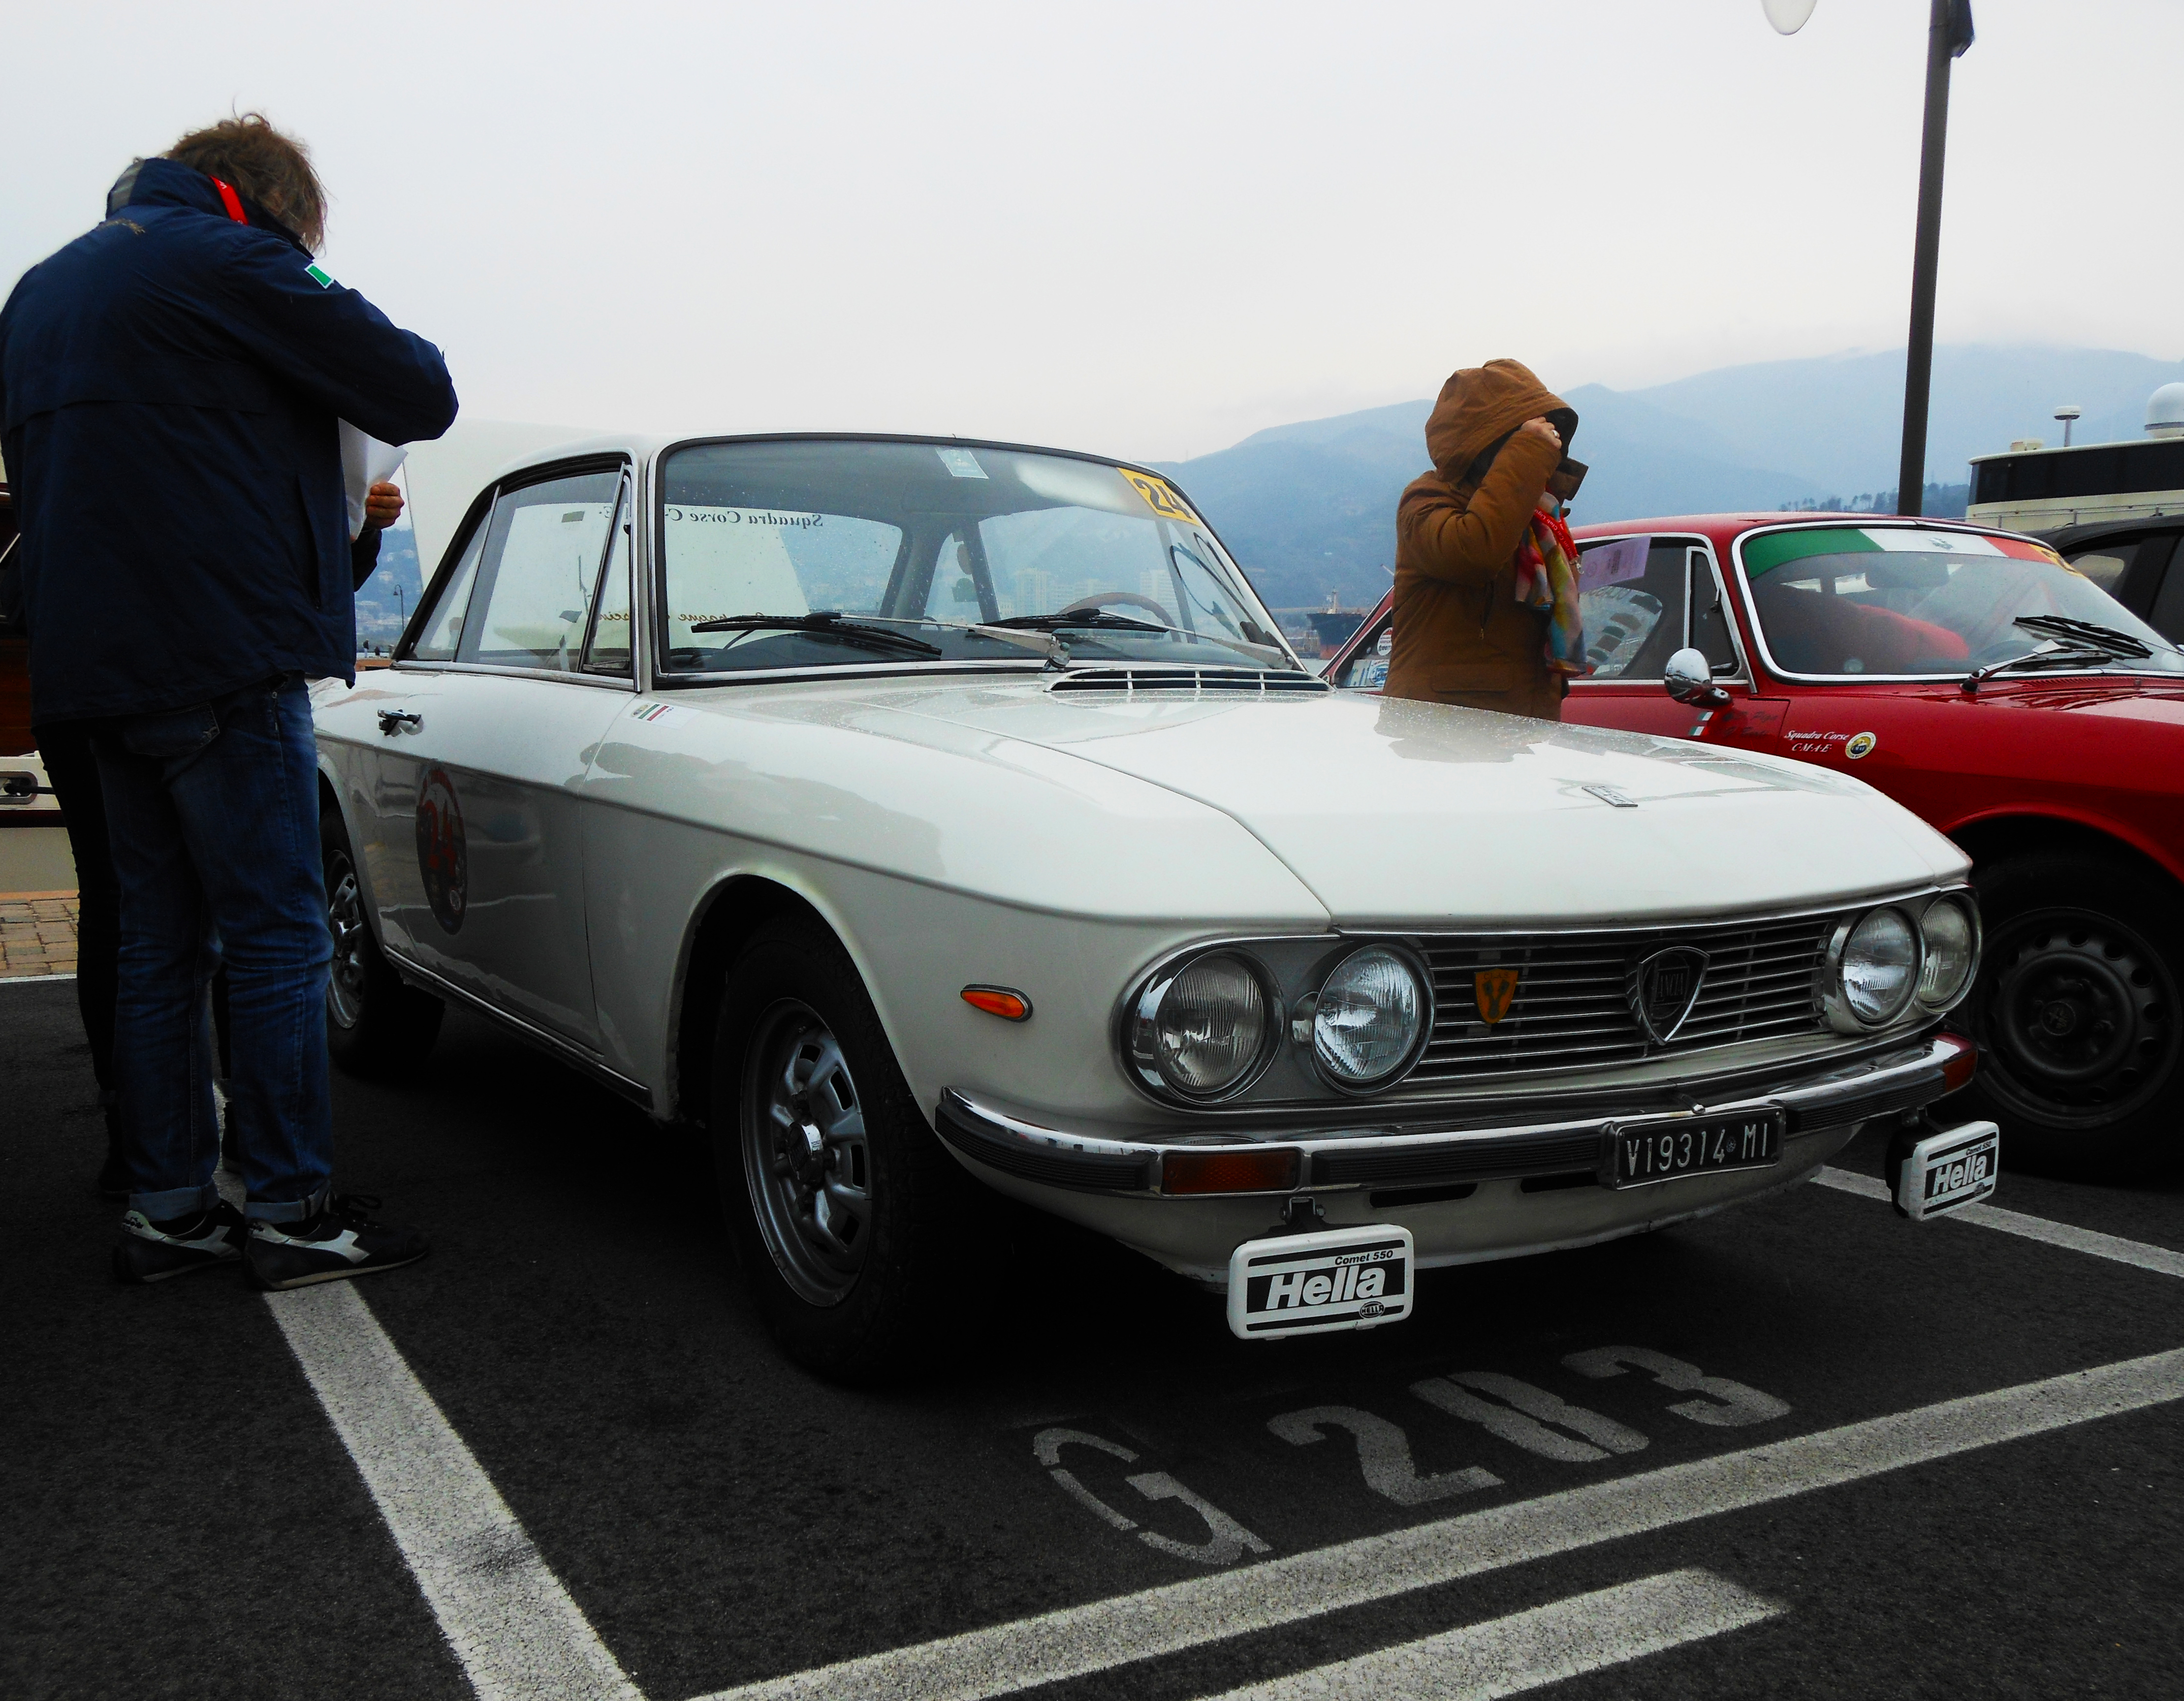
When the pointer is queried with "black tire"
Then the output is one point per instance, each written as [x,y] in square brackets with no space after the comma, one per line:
[2075,1010]
[872,1284]
[375,1025]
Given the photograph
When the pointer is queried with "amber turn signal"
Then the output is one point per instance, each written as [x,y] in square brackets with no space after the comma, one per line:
[1231,1169]
[998,1001]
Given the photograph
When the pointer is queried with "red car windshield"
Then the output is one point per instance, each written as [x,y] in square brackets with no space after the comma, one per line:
[1894,600]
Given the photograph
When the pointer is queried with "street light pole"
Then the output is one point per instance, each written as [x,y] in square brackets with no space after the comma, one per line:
[1949,33]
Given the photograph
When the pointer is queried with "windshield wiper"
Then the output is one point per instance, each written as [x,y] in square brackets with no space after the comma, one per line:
[828,627]
[1096,619]
[2070,644]
[2085,634]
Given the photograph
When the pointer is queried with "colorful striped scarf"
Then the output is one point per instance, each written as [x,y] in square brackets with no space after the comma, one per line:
[1546,577]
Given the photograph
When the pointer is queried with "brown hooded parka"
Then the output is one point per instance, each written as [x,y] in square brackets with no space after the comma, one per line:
[1460,636]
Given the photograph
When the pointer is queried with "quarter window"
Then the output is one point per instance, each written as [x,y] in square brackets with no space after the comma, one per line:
[444,627]
[538,573]
[607,650]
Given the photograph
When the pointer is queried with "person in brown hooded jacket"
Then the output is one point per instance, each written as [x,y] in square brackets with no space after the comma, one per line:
[1496,436]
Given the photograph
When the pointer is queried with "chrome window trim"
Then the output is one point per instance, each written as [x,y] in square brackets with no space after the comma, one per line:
[1779,672]
[1694,542]
[1031,666]
[612,682]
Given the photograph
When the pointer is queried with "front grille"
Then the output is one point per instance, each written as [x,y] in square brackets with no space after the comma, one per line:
[1572,1005]
[1186,682]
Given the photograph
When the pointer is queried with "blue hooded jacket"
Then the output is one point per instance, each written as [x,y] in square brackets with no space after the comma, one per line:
[170,388]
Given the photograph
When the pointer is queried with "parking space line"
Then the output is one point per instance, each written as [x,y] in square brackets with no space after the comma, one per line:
[513,1625]
[2137,1254]
[1073,1642]
[1507,1656]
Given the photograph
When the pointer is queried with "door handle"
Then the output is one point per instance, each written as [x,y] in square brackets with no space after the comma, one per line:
[393,721]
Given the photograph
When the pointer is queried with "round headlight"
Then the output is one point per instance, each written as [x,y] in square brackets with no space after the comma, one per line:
[1879,967]
[1951,937]
[1369,1016]
[1209,1026]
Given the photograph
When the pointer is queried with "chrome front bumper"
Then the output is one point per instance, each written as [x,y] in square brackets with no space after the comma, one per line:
[1419,1154]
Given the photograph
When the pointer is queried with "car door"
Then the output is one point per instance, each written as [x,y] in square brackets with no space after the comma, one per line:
[1644,598]
[474,838]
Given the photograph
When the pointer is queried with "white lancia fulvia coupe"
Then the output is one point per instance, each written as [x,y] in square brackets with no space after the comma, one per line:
[901,810]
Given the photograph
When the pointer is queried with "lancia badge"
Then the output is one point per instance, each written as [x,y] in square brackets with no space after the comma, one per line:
[1494,989]
[1664,987]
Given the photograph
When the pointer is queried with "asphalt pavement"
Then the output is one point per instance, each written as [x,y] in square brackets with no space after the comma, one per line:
[1802,1448]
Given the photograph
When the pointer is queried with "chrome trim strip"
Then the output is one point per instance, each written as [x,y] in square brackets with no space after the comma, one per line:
[564,1050]
[1046,1153]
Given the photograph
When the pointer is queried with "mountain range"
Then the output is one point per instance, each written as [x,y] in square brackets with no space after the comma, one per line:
[1309,509]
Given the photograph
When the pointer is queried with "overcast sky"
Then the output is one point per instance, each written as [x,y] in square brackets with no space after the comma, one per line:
[1147,230]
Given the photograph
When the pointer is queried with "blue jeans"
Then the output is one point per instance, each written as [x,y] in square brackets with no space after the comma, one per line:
[212,812]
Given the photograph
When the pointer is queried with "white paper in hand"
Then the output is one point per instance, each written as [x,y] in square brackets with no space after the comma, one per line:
[366,461]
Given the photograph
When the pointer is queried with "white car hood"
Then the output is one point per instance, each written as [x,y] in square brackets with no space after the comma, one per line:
[1397,813]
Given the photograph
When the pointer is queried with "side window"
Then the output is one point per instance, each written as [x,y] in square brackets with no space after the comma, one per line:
[2167,616]
[1710,617]
[607,650]
[1631,594]
[541,561]
[444,627]
[1368,669]
[2106,563]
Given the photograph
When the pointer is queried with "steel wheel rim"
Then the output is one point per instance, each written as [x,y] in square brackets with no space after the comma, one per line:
[2079,1017]
[807,1160]
[345,981]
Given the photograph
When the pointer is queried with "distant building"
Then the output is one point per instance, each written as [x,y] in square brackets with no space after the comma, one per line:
[2031,487]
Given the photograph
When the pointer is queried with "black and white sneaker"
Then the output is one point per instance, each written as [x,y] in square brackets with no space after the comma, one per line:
[152,1252]
[340,1241]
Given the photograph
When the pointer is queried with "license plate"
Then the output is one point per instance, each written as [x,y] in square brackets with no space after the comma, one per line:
[1329,1279]
[1944,1172]
[1646,1152]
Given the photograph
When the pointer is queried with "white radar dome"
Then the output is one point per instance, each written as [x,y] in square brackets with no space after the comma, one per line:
[2165,411]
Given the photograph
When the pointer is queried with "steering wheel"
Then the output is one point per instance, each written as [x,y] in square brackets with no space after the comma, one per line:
[1086,603]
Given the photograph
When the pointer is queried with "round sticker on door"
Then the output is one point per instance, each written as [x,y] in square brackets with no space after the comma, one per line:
[1860,744]
[442,856]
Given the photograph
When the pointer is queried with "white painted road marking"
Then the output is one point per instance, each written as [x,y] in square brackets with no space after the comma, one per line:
[2137,1254]
[1507,1656]
[519,1636]
[1099,1636]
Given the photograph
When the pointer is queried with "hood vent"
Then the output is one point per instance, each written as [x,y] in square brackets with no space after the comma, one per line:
[1186,682]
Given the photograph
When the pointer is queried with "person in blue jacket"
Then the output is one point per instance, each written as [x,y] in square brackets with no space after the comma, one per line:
[172,386]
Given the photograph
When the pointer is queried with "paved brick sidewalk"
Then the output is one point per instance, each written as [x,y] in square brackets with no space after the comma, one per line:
[37,933]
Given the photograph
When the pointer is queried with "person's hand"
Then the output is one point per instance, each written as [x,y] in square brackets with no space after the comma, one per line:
[382,504]
[1543,431]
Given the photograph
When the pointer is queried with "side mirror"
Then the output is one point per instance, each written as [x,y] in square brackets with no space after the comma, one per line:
[1688,679]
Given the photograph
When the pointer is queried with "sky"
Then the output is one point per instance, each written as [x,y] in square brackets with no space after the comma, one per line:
[1142,230]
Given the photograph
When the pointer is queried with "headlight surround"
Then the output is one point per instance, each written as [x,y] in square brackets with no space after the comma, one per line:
[1949,932]
[1369,1018]
[1874,969]
[1199,1030]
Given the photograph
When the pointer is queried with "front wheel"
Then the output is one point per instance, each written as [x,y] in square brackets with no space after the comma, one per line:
[851,1224]
[375,1025]
[2076,1014]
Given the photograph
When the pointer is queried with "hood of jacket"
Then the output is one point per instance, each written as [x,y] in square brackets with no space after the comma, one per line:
[1480,405]
[170,183]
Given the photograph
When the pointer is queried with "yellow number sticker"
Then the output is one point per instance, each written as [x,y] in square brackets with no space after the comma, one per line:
[1161,496]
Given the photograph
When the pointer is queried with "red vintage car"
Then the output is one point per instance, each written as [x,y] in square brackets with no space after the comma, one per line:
[1979,679]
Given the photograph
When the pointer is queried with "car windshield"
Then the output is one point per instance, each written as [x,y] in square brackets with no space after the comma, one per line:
[1848,601]
[970,553]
